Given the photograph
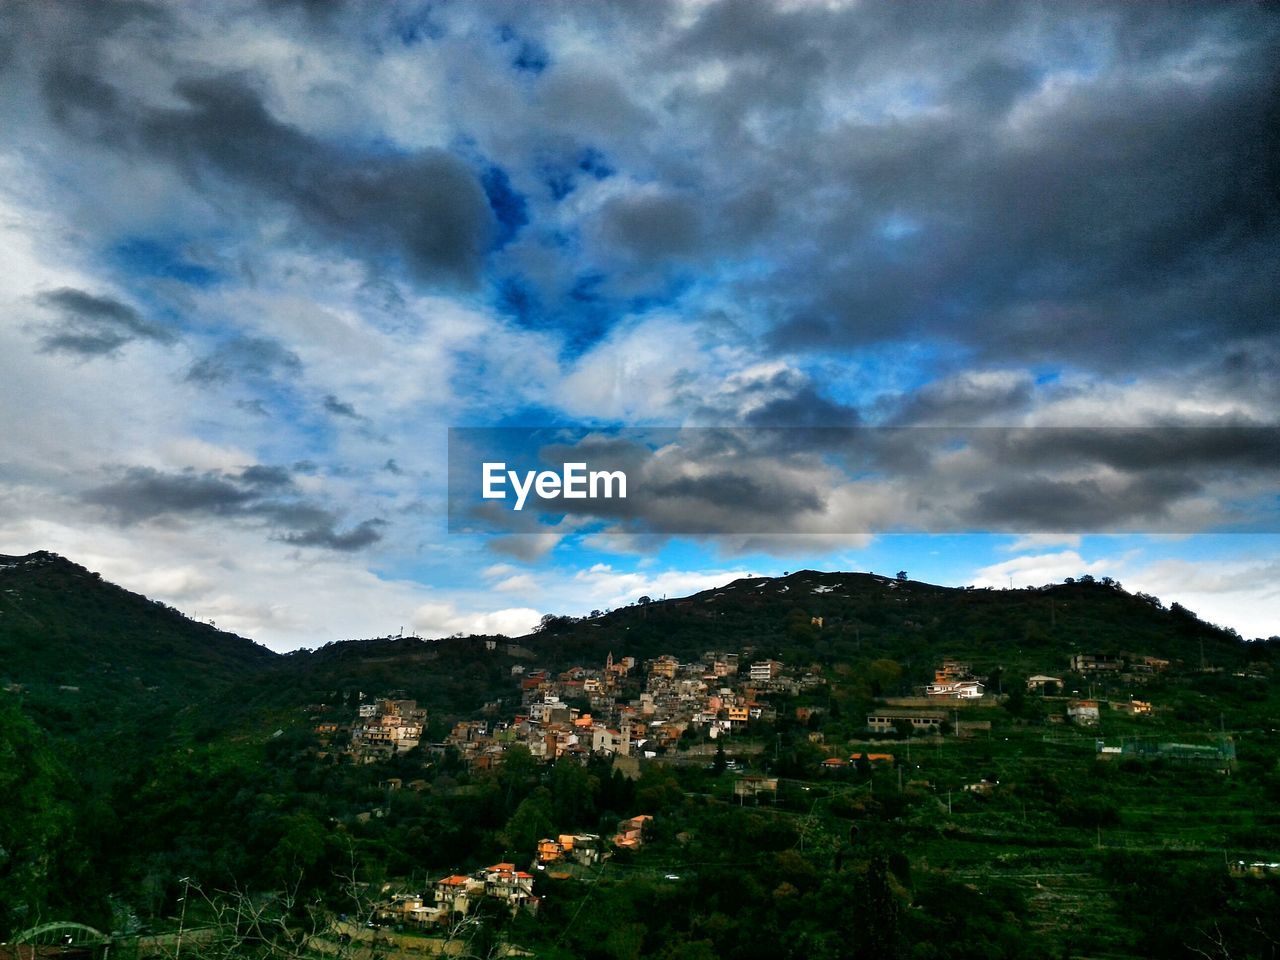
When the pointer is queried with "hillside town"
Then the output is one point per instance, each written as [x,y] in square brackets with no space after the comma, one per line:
[633,711]
[628,712]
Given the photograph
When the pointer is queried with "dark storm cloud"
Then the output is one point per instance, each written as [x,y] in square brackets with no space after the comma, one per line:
[802,407]
[262,494]
[426,207]
[94,326]
[1060,183]
[261,475]
[653,227]
[143,494]
[756,496]
[1085,184]
[961,400]
[1129,220]
[917,479]
[785,398]
[1052,505]
[340,408]
[245,358]
[364,534]
[1243,451]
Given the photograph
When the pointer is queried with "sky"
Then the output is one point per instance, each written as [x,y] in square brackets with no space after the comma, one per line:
[257,258]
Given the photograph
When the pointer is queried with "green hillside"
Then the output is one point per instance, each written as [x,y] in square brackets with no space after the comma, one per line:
[1017,838]
[87,655]
[867,616]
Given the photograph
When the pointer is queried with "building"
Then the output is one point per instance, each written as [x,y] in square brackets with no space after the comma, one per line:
[754,787]
[955,690]
[1083,712]
[513,887]
[409,908]
[630,835]
[762,671]
[584,848]
[1254,868]
[664,666]
[952,670]
[1040,681]
[1134,708]
[922,721]
[1142,664]
[1220,755]
[872,758]
[456,894]
[1096,663]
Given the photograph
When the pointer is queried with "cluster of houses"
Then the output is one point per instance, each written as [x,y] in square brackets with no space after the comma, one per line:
[955,681]
[458,895]
[1125,667]
[381,729]
[630,710]
[586,849]
[1128,667]
[839,763]
[624,709]
[621,712]
[455,896]
[1088,713]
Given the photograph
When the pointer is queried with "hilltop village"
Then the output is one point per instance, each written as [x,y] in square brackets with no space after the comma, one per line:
[631,712]
[666,710]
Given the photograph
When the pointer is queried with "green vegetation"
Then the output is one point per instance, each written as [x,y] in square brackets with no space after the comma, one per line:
[188,753]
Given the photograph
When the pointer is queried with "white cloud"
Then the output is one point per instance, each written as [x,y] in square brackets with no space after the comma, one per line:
[1038,569]
[1242,594]
[443,618]
[602,586]
[1039,541]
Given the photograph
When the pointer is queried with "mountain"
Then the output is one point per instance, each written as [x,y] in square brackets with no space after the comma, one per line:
[62,626]
[836,617]
[85,652]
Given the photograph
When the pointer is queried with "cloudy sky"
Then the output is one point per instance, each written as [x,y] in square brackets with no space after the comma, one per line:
[258,257]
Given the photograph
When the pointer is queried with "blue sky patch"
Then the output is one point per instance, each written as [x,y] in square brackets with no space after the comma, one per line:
[147,257]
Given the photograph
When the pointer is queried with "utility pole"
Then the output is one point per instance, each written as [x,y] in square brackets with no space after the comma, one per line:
[182,916]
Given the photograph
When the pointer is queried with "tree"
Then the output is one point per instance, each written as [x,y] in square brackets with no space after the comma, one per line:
[530,823]
[574,793]
[902,575]
[720,764]
[884,674]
